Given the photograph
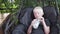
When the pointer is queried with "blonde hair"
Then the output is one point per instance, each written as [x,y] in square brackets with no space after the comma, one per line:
[38,8]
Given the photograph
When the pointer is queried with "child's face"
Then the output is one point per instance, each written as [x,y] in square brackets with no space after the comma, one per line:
[38,13]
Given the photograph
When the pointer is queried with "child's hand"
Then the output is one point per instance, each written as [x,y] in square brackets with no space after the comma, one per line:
[33,22]
[42,20]
[30,27]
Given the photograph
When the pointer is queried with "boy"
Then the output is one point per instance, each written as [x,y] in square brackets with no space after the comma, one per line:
[38,14]
[29,25]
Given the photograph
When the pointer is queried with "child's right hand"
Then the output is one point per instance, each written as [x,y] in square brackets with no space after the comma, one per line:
[33,22]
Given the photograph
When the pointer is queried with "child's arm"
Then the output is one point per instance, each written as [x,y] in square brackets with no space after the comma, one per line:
[29,29]
[46,28]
